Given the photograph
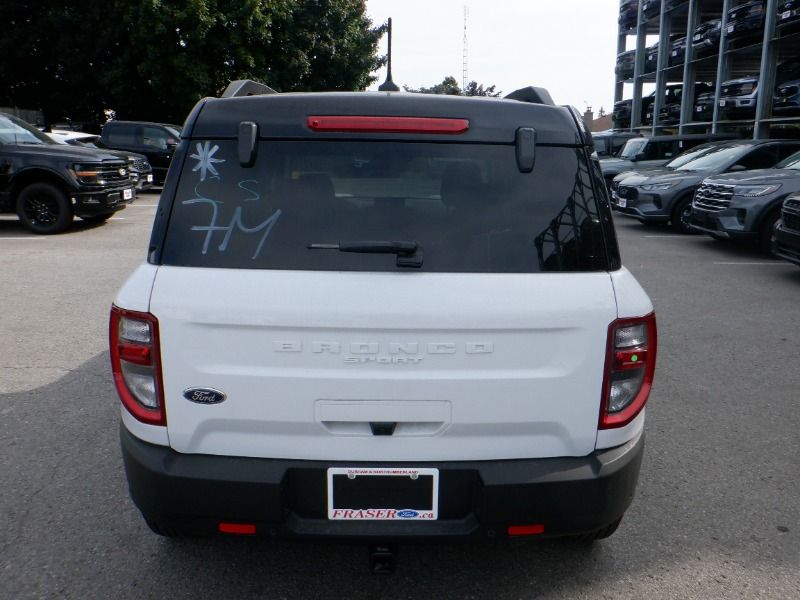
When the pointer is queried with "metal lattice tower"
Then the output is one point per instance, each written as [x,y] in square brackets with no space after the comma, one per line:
[464,52]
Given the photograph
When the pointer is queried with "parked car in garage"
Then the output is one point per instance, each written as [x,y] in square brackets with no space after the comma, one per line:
[786,244]
[739,97]
[670,113]
[665,195]
[47,183]
[651,8]
[644,153]
[788,12]
[625,64]
[704,107]
[677,53]
[746,21]
[786,101]
[157,141]
[705,40]
[140,170]
[628,14]
[745,206]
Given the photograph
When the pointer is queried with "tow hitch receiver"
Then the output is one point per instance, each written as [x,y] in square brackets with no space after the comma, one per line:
[381,558]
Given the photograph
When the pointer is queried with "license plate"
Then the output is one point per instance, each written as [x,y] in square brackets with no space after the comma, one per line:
[622,202]
[149,179]
[786,14]
[723,102]
[674,53]
[383,494]
[730,28]
[127,194]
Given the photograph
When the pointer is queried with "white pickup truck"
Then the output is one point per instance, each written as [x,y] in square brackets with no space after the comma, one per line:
[383,316]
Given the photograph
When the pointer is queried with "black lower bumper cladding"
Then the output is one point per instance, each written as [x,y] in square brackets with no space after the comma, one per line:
[288,498]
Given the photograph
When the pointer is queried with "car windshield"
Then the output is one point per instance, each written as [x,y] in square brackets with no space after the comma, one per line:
[689,155]
[792,162]
[716,158]
[17,131]
[632,148]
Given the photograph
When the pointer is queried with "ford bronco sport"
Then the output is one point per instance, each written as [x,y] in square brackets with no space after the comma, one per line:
[383,316]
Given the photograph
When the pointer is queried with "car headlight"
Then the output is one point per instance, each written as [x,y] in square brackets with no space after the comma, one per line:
[652,187]
[751,191]
[86,173]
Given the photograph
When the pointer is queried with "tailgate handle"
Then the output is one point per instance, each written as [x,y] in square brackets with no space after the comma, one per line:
[526,149]
[248,149]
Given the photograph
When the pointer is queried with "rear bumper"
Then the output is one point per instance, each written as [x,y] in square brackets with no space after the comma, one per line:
[288,498]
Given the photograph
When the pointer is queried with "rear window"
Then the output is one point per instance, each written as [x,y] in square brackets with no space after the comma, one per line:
[467,207]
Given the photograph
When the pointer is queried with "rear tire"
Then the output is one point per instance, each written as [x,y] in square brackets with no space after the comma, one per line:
[680,215]
[44,209]
[766,232]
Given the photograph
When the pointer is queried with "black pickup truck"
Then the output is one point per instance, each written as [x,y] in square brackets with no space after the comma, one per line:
[47,183]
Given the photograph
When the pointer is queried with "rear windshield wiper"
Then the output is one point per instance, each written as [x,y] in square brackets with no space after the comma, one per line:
[409,253]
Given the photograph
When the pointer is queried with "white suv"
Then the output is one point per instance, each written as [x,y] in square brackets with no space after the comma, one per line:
[383,316]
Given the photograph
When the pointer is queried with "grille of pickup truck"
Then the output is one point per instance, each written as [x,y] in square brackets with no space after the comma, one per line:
[113,172]
[713,197]
[140,164]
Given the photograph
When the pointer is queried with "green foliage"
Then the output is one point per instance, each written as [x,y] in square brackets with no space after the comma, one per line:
[450,87]
[153,59]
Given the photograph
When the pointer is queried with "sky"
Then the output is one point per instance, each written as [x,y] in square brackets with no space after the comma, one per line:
[566,46]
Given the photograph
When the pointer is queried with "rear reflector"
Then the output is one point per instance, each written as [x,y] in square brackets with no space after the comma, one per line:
[388,124]
[630,366]
[535,529]
[237,528]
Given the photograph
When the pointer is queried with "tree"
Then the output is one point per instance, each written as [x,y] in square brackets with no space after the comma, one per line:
[149,59]
[450,87]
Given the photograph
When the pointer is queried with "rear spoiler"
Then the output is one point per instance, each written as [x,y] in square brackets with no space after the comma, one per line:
[246,87]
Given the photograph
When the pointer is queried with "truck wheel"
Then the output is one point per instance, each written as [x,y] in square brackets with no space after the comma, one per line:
[766,232]
[680,215]
[43,208]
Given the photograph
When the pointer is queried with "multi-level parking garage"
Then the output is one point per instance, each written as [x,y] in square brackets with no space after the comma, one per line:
[718,66]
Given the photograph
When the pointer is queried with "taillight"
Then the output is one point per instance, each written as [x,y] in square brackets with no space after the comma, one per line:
[136,364]
[630,365]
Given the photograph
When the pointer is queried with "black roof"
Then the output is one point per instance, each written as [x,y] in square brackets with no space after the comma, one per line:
[284,116]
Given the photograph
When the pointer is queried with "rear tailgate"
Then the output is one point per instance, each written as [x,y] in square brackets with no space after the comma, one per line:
[468,366]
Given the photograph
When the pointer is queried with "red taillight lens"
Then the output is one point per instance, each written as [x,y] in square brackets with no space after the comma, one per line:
[136,364]
[630,366]
[387,124]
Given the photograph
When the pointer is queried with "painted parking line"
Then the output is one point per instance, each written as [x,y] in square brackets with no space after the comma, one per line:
[760,264]
[117,219]
[22,238]
[138,205]
[682,237]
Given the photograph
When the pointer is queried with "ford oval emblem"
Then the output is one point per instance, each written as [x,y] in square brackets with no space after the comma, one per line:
[204,395]
[407,514]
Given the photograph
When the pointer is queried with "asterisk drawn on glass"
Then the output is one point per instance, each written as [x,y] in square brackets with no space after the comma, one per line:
[205,160]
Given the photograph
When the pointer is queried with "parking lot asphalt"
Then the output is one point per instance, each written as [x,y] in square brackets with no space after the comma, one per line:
[717,511]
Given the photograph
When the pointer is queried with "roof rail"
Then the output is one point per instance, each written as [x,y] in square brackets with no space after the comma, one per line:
[534,95]
[246,87]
